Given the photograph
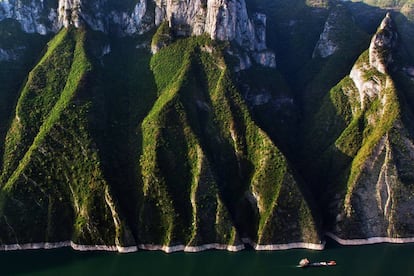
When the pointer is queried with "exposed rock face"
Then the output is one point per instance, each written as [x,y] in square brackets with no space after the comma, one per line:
[266,58]
[225,20]
[245,61]
[378,198]
[95,15]
[34,16]
[135,22]
[187,16]
[368,88]
[380,56]
[381,203]
[332,39]
[37,17]
[69,13]
[326,46]
[10,54]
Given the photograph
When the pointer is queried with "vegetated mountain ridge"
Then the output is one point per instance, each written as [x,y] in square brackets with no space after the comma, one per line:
[165,124]
[369,137]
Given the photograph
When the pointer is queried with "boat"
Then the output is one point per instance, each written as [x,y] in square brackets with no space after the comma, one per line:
[306,263]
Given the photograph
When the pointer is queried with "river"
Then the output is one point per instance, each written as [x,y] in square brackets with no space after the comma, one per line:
[375,260]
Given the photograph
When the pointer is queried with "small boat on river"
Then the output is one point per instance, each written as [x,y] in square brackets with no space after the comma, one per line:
[306,263]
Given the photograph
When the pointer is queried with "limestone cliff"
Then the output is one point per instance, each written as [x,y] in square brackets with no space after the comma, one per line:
[372,193]
[225,20]
[34,16]
[326,45]
[384,40]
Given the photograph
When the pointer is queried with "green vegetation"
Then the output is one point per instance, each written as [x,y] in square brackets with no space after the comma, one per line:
[105,143]
[58,184]
[196,159]
[198,115]
[353,134]
[162,37]
[14,71]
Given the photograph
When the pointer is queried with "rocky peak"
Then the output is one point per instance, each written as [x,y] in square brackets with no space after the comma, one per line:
[327,44]
[225,20]
[382,43]
[370,85]
[69,13]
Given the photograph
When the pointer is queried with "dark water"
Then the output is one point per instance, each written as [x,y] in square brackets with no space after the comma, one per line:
[380,259]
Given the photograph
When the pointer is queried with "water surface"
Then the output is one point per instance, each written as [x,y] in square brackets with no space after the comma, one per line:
[379,259]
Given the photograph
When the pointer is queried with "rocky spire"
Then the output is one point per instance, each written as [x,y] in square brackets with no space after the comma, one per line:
[69,12]
[380,50]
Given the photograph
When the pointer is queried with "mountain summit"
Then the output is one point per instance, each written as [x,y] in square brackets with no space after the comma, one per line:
[382,45]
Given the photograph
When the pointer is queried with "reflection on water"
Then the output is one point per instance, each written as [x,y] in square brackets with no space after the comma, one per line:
[380,259]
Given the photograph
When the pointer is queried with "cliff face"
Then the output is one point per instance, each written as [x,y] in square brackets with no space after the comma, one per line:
[382,44]
[100,15]
[34,16]
[370,136]
[225,20]
[327,45]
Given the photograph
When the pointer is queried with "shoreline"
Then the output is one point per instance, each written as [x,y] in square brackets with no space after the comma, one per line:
[204,247]
[367,241]
[284,246]
[166,249]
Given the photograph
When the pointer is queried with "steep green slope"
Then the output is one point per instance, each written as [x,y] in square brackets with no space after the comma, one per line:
[197,171]
[199,136]
[16,59]
[364,134]
[53,188]
[106,143]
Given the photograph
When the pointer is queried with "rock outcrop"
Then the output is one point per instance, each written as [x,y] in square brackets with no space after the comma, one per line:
[380,50]
[371,137]
[100,17]
[34,16]
[225,20]
[340,30]
[11,54]
[69,13]
[326,45]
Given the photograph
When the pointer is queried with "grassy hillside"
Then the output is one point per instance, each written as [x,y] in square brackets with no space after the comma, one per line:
[52,177]
[14,69]
[102,151]
[360,152]
[103,142]
[200,128]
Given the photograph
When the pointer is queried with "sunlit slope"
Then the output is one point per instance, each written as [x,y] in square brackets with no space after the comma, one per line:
[52,184]
[16,59]
[365,143]
[203,172]
[209,172]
